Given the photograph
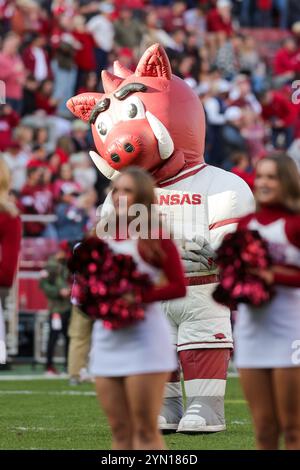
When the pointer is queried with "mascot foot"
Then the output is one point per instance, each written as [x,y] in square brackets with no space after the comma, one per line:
[201,417]
[171,414]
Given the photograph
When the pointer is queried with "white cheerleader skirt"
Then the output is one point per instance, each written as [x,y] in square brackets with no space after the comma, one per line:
[269,336]
[142,348]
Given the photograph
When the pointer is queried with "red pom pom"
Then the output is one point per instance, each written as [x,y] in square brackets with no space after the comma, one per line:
[240,251]
[102,281]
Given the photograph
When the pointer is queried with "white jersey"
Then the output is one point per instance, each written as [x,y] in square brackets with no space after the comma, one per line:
[214,197]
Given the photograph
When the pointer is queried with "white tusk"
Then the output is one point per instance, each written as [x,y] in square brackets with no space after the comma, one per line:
[103,166]
[165,142]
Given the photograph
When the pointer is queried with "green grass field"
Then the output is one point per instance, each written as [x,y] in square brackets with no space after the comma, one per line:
[49,414]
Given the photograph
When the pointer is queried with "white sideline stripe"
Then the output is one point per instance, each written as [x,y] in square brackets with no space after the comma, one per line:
[58,377]
[41,428]
[172,389]
[31,377]
[236,401]
[205,388]
[62,392]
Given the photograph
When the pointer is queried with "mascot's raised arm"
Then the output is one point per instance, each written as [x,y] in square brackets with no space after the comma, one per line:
[153,119]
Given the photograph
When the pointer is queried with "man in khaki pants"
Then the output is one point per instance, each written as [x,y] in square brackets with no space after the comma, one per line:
[80,330]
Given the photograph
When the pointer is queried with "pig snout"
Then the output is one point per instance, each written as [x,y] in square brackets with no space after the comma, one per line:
[123,150]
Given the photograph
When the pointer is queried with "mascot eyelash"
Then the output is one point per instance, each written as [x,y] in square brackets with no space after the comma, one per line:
[103,105]
[129,88]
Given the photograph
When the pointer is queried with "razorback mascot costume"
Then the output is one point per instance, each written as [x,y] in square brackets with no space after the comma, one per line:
[153,119]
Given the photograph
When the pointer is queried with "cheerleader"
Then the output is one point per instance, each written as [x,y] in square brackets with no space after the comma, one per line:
[267,339]
[132,364]
[10,239]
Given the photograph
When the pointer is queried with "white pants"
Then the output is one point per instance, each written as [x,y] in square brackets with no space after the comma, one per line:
[2,338]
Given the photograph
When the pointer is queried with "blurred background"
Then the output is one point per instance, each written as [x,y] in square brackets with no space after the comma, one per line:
[242,58]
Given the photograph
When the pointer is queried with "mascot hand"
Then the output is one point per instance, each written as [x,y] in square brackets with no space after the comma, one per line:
[198,257]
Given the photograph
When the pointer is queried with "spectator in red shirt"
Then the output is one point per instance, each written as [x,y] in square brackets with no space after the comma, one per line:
[36,59]
[8,120]
[43,97]
[12,71]
[175,17]
[219,19]
[287,60]
[242,168]
[35,198]
[281,114]
[85,55]
[65,180]
[38,157]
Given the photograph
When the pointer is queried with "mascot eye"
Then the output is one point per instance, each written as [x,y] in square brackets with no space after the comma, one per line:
[102,128]
[132,110]
[103,125]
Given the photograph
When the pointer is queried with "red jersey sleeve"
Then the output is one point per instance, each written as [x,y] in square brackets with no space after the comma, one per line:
[173,270]
[10,241]
[244,221]
[290,280]
[292,229]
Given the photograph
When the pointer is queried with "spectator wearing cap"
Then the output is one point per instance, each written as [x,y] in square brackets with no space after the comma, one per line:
[215,106]
[233,140]
[280,113]
[64,71]
[219,18]
[102,30]
[12,71]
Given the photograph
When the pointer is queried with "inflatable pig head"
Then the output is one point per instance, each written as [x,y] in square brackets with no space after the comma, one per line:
[148,118]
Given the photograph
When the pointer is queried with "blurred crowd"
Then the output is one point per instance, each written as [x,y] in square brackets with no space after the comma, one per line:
[51,50]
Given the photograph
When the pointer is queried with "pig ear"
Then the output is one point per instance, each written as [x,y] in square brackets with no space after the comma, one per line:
[154,63]
[110,82]
[120,70]
[82,105]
